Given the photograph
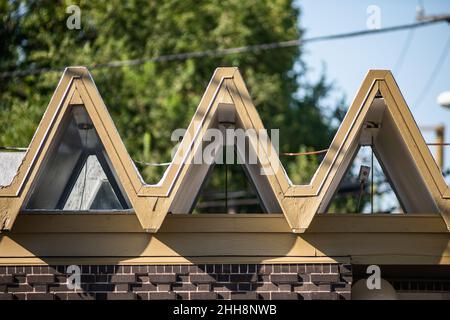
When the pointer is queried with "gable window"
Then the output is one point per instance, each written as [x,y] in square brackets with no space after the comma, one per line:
[380,175]
[77,174]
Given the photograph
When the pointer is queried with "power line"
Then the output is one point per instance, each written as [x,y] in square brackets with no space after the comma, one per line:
[228,51]
[434,74]
[401,58]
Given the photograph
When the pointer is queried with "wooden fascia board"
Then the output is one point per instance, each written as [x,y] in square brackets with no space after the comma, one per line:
[220,223]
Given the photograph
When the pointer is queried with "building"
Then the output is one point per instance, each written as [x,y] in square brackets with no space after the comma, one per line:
[74,201]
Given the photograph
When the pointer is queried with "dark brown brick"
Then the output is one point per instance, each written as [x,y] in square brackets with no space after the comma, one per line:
[142,278]
[162,296]
[20,296]
[88,278]
[344,295]
[80,296]
[101,278]
[168,269]
[182,278]
[120,296]
[301,268]
[203,296]
[182,295]
[322,277]
[304,277]
[284,278]
[304,295]
[202,278]
[334,268]
[347,279]
[20,288]
[176,269]
[51,270]
[226,268]
[122,269]
[143,287]
[164,286]
[223,278]
[40,288]
[276,268]
[142,296]
[340,287]
[41,278]
[264,269]
[139,269]
[309,268]
[345,269]
[183,287]
[101,296]
[284,296]
[309,287]
[122,287]
[264,295]
[6,279]
[263,278]
[285,287]
[203,287]
[20,270]
[162,278]
[60,296]
[225,286]
[6,296]
[264,287]
[324,296]
[243,278]
[160,269]
[244,296]
[59,288]
[102,287]
[244,286]
[243,268]
[223,295]
[123,278]
[39,296]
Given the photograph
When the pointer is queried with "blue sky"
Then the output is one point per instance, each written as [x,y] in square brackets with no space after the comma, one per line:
[348,60]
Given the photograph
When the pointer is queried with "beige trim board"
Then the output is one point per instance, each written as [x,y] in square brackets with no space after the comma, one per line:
[228,247]
[299,204]
[220,223]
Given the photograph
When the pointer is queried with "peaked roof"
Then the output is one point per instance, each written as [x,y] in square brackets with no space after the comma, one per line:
[400,146]
[299,203]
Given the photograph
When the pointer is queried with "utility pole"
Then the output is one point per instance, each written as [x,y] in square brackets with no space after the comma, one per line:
[439,131]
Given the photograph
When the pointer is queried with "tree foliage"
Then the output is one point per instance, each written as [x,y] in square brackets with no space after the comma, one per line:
[149,101]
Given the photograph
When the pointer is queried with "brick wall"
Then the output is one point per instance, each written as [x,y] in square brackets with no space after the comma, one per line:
[219,281]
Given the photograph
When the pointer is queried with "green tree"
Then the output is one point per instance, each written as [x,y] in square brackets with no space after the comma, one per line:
[33,34]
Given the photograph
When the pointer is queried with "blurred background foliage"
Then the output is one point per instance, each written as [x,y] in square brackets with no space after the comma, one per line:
[147,102]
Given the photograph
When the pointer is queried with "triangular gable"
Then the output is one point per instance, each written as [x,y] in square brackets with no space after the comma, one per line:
[175,193]
[75,88]
[299,203]
[400,146]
